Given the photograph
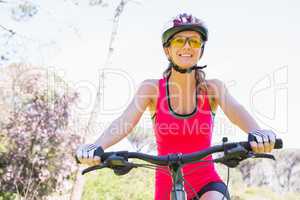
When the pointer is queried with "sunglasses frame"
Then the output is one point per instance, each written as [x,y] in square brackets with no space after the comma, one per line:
[187,39]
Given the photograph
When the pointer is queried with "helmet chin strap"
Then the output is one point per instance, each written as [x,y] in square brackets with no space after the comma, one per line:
[185,70]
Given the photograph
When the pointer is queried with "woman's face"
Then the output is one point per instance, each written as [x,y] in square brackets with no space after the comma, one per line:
[186,55]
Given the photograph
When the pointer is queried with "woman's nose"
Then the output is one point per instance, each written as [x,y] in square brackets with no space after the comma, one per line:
[186,44]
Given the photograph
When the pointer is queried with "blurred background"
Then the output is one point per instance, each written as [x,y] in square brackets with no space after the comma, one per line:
[69,67]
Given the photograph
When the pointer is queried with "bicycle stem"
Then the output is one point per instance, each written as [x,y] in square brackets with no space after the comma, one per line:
[178,191]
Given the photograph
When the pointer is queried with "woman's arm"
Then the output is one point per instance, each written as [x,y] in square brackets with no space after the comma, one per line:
[235,112]
[238,115]
[124,124]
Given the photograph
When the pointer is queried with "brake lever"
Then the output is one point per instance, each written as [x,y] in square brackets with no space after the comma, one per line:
[122,170]
[264,155]
[89,169]
[234,156]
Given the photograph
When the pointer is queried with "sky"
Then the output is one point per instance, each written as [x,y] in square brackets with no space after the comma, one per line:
[253,47]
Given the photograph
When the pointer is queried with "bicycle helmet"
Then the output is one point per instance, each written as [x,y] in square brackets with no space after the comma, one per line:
[183,22]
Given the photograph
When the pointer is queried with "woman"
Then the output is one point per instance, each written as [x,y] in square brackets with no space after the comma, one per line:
[183,104]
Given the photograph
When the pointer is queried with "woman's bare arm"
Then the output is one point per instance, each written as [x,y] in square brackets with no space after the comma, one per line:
[235,112]
[124,124]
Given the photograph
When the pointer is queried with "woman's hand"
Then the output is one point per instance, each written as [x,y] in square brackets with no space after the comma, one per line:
[86,154]
[262,141]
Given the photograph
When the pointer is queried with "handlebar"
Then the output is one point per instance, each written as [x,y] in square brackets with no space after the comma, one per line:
[234,151]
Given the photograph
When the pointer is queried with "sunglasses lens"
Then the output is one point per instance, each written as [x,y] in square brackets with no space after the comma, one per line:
[195,43]
[178,42]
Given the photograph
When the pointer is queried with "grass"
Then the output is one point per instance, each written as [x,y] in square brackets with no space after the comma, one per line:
[139,185]
[105,185]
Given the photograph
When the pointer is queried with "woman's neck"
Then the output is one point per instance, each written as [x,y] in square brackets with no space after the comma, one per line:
[183,81]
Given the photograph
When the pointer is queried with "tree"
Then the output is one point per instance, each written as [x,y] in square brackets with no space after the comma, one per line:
[281,175]
[78,186]
[14,44]
[38,140]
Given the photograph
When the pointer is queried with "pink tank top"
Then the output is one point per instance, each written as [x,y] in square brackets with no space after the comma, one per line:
[176,133]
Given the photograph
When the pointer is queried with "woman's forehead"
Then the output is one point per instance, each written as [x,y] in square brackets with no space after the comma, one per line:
[187,34]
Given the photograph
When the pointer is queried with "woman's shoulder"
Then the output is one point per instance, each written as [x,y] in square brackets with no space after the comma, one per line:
[151,90]
[150,86]
[214,89]
[214,81]
[214,86]
[150,81]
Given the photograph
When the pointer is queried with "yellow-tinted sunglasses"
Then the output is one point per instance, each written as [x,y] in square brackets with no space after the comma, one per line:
[179,42]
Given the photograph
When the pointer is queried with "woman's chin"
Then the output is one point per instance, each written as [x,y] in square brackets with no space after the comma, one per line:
[185,65]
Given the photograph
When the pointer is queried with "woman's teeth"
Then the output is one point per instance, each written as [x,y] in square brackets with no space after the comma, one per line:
[185,55]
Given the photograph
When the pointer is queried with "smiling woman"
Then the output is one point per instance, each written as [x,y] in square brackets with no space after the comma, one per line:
[182,103]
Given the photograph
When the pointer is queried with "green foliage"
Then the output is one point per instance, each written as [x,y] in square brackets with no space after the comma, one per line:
[259,193]
[138,184]
[7,196]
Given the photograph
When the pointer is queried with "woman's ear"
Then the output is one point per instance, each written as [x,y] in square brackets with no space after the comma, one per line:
[166,49]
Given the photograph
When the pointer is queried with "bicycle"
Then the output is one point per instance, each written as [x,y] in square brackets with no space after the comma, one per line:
[234,153]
